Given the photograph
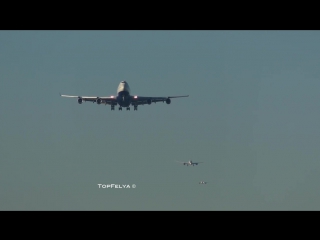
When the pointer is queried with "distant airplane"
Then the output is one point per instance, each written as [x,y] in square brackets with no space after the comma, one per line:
[190,163]
[202,182]
[123,98]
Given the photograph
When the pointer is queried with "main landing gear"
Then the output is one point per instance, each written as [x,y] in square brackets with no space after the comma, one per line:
[120,108]
[135,108]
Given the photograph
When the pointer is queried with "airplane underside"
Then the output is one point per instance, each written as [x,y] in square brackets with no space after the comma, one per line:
[135,107]
[124,101]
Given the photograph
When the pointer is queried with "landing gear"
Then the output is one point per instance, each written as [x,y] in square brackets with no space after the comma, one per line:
[128,108]
[120,108]
[112,107]
[135,108]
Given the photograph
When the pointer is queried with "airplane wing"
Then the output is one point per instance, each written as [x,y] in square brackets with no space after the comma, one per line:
[139,100]
[182,162]
[105,100]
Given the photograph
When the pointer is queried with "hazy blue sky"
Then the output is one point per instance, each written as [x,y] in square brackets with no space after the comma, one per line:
[252,116]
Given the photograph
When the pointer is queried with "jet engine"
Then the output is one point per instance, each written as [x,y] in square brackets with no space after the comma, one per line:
[98,100]
[79,100]
[149,101]
[168,100]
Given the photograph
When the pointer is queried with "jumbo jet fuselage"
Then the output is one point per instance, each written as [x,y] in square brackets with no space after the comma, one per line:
[124,98]
[123,94]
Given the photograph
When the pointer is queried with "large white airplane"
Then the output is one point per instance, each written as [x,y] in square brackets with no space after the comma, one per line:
[190,163]
[123,98]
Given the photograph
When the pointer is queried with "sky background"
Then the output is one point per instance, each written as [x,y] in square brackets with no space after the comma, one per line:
[252,116]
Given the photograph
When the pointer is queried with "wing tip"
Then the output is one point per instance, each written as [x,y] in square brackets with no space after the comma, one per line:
[178,96]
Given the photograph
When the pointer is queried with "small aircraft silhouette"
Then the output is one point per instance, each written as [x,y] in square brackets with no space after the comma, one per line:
[190,163]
